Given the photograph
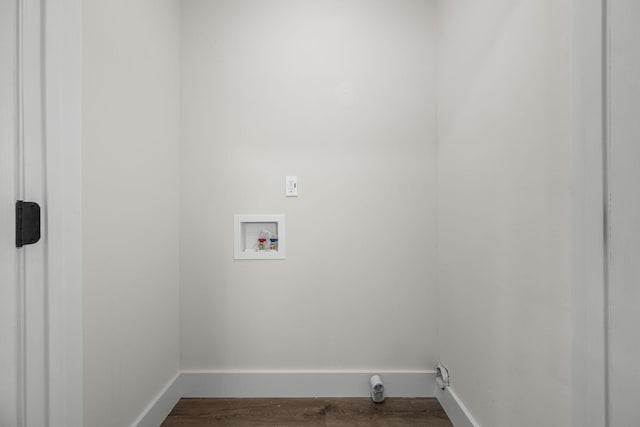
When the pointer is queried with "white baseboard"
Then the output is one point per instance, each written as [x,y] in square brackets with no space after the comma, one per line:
[161,406]
[283,384]
[304,384]
[455,409]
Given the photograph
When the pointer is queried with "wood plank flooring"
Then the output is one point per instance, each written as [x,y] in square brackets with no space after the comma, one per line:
[345,412]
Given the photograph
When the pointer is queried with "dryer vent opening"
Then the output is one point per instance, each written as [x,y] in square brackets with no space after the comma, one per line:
[442,376]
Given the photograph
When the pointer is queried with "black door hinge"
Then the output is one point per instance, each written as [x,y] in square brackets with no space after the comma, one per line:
[27,223]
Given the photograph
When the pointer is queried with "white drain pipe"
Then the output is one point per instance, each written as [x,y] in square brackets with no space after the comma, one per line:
[377,389]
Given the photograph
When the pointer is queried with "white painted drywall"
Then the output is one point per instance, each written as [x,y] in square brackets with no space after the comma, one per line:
[340,94]
[504,215]
[588,302]
[624,213]
[130,205]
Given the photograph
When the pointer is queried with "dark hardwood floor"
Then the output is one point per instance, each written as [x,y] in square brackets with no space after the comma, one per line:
[351,412]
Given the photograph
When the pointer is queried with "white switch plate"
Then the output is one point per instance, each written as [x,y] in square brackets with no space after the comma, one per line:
[291,186]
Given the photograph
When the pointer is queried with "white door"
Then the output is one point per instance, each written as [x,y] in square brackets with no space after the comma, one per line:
[23,291]
[624,214]
[8,254]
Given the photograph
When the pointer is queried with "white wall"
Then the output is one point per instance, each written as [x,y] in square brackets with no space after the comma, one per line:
[504,141]
[588,302]
[131,205]
[624,212]
[340,94]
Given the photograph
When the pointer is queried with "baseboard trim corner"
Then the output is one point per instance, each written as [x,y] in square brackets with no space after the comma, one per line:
[455,409]
[156,412]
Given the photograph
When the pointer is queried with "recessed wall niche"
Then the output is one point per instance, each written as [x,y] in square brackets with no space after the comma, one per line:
[259,237]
